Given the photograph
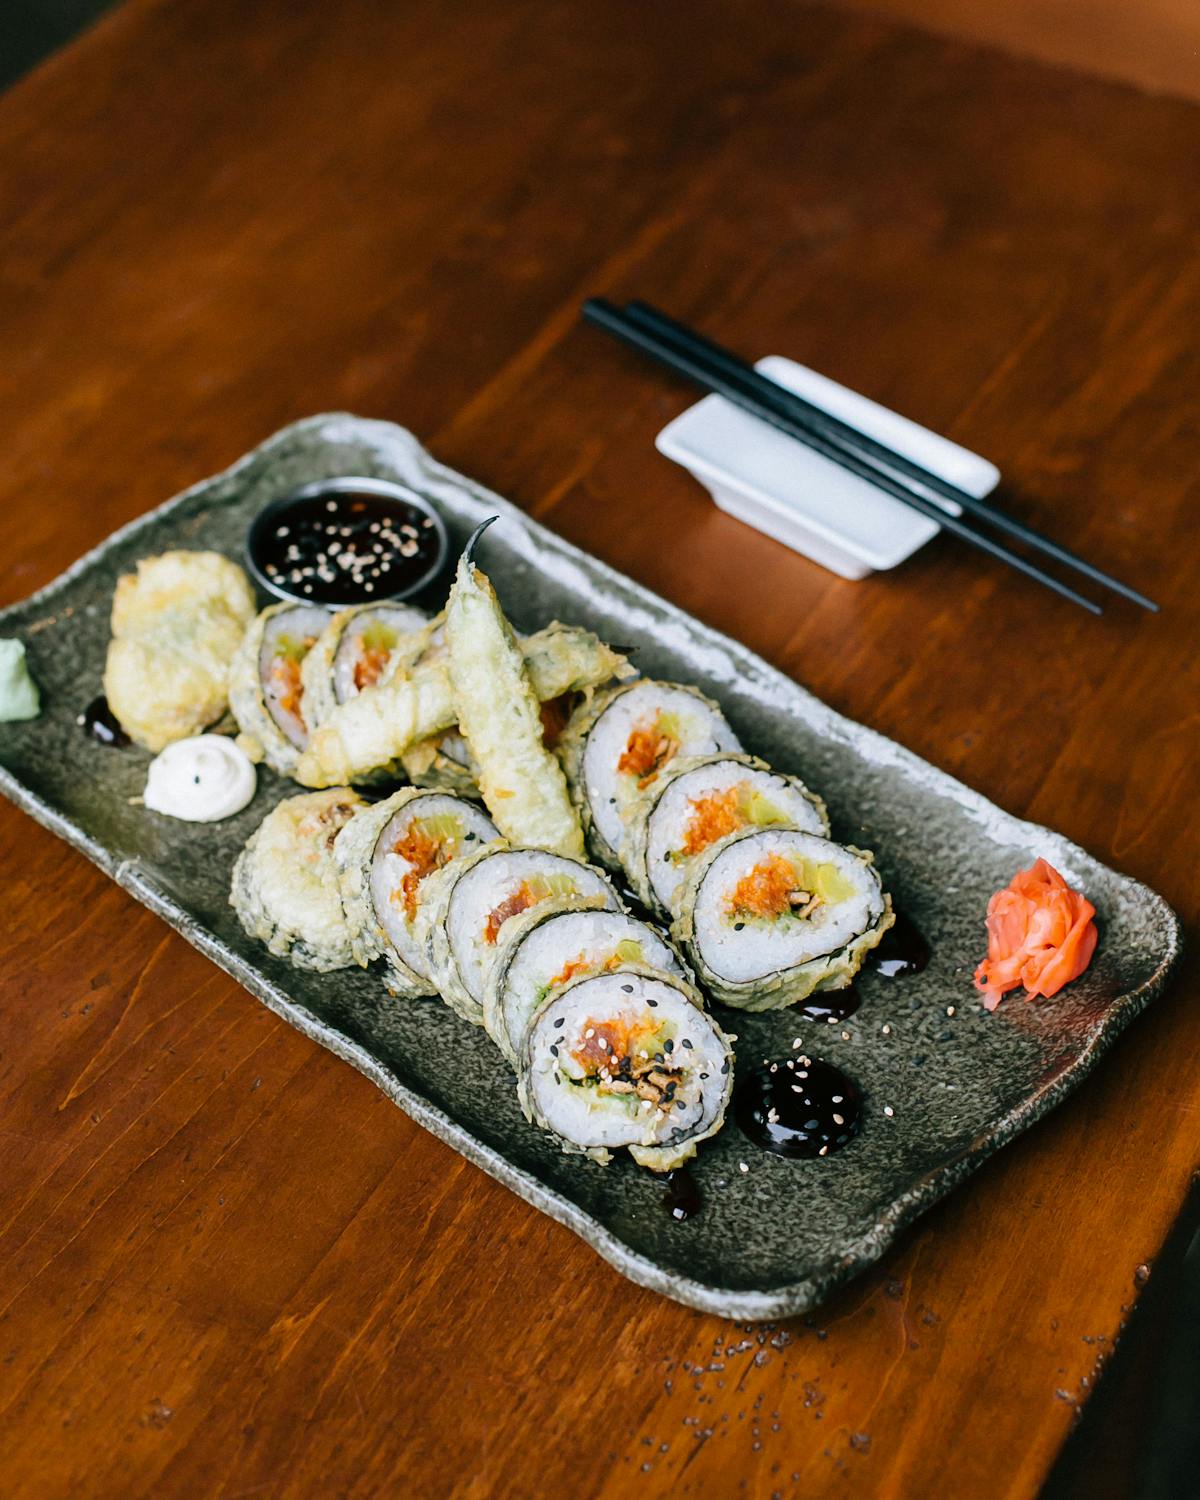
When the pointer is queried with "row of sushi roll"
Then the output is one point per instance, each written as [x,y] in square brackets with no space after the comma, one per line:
[527,756]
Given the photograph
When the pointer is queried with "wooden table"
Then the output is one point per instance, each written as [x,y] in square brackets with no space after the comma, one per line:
[230,1267]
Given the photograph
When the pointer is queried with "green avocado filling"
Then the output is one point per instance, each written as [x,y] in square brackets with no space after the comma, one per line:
[379,636]
[292,648]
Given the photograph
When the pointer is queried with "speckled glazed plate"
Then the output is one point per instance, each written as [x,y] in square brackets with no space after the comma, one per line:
[772,1239]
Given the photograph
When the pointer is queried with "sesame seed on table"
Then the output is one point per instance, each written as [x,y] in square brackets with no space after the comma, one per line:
[230,1265]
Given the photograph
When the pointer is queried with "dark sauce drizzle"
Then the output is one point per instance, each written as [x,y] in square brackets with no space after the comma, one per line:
[99,721]
[903,950]
[798,1106]
[682,1197]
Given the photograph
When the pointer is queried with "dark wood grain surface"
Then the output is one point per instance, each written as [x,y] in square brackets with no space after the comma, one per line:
[229,1267]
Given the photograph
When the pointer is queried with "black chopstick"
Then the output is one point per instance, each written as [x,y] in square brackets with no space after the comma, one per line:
[788,403]
[604,315]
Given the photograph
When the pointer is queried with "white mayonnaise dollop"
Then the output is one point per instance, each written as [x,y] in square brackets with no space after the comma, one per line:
[200,780]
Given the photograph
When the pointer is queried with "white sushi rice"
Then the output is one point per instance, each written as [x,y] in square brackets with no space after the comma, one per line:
[765,798]
[287,633]
[398,620]
[583,942]
[697,728]
[514,880]
[389,868]
[742,951]
[575,1084]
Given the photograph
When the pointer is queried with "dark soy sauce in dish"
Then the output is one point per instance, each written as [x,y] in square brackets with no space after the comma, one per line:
[682,1197]
[798,1106]
[903,950]
[346,541]
[99,721]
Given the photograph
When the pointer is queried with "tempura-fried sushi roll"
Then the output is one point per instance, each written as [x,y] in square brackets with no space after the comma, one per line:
[617,747]
[266,688]
[696,802]
[771,915]
[385,858]
[554,943]
[285,883]
[358,648]
[466,910]
[627,1059]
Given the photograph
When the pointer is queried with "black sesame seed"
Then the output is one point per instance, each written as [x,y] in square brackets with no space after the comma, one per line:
[668,1045]
[653,1004]
[627,988]
[562,1021]
[687,1044]
[737,926]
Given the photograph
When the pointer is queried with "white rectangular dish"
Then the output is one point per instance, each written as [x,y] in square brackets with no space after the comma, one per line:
[807,502]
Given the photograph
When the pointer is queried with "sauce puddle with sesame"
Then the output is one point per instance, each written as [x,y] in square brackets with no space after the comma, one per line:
[682,1197]
[902,951]
[839,1005]
[798,1106]
[345,547]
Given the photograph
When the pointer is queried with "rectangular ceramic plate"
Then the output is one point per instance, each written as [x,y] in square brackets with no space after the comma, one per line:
[771,1240]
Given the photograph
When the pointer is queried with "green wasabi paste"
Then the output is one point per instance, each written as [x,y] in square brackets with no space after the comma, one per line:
[18,691]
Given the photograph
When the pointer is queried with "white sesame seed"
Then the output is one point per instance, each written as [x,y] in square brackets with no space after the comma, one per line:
[887,1031]
[824,1151]
[799,1042]
[949,1010]
[837,1098]
[742,1167]
[837,1120]
[888,1110]
[845,1036]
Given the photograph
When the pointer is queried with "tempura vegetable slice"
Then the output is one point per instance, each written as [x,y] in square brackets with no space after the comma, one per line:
[177,624]
[374,729]
[499,713]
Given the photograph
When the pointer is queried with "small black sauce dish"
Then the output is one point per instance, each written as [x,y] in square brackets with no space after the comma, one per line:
[347,541]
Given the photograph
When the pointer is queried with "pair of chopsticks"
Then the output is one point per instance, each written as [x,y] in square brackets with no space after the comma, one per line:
[717,369]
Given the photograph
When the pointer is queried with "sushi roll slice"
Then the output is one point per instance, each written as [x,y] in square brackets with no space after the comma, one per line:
[266,688]
[385,859]
[285,883]
[770,915]
[699,801]
[468,908]
[616,748]
[553,944]
[358,648]
[627,1059]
